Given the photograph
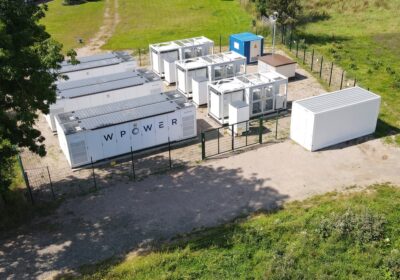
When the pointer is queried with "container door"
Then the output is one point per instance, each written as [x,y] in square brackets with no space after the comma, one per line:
[148,132]
[123,138]
[136,135]
[77,148]
[255,50]
[94,145]
[156,61]
[109,142]
[161,128]
[181,80]
[174,126]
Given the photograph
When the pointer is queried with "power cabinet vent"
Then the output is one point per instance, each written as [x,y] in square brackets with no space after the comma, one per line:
[78,152]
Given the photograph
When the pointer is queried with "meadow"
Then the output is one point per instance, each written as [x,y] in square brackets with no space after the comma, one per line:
[67,24]
[363,37]
[334,236]
[144,22]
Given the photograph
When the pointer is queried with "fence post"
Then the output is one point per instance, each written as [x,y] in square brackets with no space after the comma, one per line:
[140,58]
[320,69]
[247,130]
[260,130]
[94,176]
[297,49]
[291,38]
[26,179]
[304,57]
[220,43]
[133,166]
[341,81]
[330,76]
[233,136]
[169,154]
[218,140]
[312,60]
[355,81]
[51,184]
[276,125]
[203,144]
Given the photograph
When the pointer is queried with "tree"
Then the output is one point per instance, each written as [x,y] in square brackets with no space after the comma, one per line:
[289,10]
[29,60]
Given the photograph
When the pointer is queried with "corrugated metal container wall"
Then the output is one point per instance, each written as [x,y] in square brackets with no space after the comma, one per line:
[322,121]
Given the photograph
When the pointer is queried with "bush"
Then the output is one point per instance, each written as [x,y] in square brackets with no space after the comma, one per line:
[361,228]
[393,264]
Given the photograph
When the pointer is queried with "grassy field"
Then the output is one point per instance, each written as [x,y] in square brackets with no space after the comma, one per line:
[335,236]
[364,38]
[144,22]
[68,23]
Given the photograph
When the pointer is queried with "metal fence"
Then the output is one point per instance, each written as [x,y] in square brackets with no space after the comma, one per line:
[237,136]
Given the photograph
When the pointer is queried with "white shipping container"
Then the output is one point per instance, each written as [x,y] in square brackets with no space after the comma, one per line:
[97,65]
[107,131]
[325,120]
[76,95]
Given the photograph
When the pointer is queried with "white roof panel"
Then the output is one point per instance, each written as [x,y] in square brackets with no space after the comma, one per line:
[337,99]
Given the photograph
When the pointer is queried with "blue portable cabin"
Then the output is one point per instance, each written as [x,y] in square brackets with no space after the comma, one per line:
[247,44]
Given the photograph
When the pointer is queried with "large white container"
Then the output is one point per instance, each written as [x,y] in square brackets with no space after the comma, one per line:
[264,93]
[278,63]
[107,131]
[80,94]
[97,65]
[213,67]
[328,119]
[170,71]
[178,50]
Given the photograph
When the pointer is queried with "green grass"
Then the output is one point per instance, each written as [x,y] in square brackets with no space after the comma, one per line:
[68,23]
[334,236]
[366,44]
[144,22]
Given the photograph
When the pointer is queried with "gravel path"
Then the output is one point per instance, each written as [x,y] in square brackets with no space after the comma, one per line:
[120,218]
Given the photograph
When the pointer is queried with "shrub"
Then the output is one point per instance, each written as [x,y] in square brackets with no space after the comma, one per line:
[393,264]
[356,227]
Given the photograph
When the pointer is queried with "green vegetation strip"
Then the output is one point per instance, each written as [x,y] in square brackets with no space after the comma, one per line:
[67,24]
[334,236]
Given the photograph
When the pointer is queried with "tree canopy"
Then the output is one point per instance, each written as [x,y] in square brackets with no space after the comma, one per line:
[29,60]
[289,10]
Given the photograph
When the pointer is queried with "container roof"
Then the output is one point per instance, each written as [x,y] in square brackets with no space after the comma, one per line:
[105,83]
[211,59]
[276,60]
[178,44]
[246,36]
[246,81]
[95,61]
[121,112]
[338,99]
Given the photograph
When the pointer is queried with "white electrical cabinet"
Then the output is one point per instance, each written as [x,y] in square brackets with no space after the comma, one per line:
[238,116]
[110,130]
[178,50]
[212,67]
[97,65]
[170,71]
[328,119]
[264,93]
[199,85]
[80,94]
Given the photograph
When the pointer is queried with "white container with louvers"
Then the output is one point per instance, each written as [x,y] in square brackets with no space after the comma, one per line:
[115,129]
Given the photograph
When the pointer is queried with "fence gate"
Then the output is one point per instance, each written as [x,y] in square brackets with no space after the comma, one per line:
[232,137]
